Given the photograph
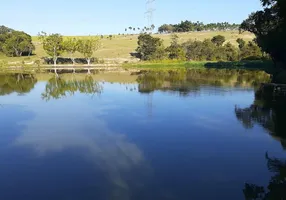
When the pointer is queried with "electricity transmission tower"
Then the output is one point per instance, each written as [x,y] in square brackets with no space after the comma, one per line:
[149,12]
[150,105]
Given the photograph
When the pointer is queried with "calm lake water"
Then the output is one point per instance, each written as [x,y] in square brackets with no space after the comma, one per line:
[79,138]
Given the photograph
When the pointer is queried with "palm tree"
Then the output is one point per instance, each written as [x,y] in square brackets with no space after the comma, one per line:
[152,27]
[130,28]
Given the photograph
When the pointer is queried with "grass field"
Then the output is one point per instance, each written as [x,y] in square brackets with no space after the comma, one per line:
[118,49]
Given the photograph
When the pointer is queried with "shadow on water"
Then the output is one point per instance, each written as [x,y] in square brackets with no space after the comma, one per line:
[276,188]
[271,116]
[264,65]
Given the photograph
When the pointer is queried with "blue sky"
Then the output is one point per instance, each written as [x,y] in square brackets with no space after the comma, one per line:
[92,17]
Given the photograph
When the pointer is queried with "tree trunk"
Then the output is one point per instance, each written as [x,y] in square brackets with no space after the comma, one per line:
[55,61]
[55,65]
[56,73]
[88,61]
[18,78]
[16,51]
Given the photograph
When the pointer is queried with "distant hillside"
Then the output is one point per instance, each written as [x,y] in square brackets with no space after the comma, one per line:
[120,46]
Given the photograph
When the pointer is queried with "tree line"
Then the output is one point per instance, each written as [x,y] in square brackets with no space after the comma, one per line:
[269,27]
[188,26]
[18,43]
[215,49]
[15,43]
[55,45]
[142,30]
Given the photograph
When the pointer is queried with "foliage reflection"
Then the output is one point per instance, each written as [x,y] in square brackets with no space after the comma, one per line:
[57,87]
[271,116]
[276,186]
[19,83]
[186,81]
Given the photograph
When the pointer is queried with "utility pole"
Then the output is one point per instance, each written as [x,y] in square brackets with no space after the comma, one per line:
[150,12]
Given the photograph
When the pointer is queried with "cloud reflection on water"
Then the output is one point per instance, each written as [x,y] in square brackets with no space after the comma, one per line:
[81,128]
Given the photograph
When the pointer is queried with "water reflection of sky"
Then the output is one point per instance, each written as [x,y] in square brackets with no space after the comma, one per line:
[123,144]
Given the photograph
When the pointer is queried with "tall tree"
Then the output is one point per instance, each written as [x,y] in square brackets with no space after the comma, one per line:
[150,48]
[71,46]
[269,26]
[16,43]
[87,47]
[152,27]
[53,45]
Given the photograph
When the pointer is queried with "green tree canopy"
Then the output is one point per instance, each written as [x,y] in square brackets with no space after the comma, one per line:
[4,30]
[87,47]
[150,48]
[53,45]
[241,43]
[269,26]
[251,51]
[218,40]
[187,26]
[231,52]
[175,50]
[166,28]
[70,45]
[15,43]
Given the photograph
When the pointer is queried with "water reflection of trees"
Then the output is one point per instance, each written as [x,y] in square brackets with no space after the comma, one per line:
[57,87]
[276,188]
[270,115]
[19,83]
[189,81]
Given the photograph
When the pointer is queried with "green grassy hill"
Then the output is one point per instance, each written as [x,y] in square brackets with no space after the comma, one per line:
[120,46]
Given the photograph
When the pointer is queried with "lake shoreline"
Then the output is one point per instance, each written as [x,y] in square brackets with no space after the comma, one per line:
[137,67]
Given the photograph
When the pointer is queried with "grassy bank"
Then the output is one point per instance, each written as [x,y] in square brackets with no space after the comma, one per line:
[266,66]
